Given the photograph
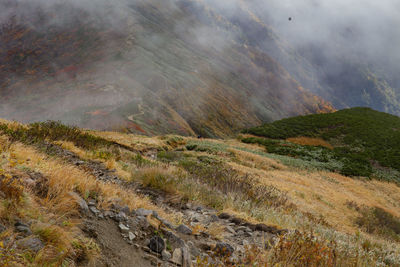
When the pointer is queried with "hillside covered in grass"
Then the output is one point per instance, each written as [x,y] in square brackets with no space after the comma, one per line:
[74,197]
[355,142]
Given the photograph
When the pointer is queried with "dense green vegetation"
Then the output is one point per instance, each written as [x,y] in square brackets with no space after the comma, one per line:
[366,142]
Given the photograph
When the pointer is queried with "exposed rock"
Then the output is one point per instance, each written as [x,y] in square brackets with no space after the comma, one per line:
[79,162]
[184,229]
[23,228]
[143,212]
[31,243]
[248,234]
[126,210]
[214,218]
[157,244]
[224,216]
[166,223]
[165,255]
[143,222]
[123,228]
[174,239]
[177,256]
[187,206]
[244,228]
[193,249]
[92,202]
[230,230]
[224,249]
[80,201]
[206,246]
[121,216]
[109,214]
[199,208]
[250,225]
[186,259]
[116,206]
[94,210]
[151,258]
[245,242]
[265,228]
[146,249]
[131,236]
[237,221]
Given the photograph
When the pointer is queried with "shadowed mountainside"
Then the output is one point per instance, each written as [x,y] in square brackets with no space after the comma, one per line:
[152,70]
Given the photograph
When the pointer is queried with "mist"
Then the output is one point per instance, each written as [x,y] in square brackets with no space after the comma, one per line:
[365,28]
[169,48]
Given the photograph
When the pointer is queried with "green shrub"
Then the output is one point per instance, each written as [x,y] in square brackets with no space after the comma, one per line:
[360,135]
[375,220]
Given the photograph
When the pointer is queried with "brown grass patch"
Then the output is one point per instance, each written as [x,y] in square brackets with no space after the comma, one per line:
[308,141]
[252,160]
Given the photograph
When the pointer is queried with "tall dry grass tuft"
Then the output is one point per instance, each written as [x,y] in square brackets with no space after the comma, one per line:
[162,178]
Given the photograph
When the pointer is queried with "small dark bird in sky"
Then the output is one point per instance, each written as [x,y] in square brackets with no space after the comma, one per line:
[290,18]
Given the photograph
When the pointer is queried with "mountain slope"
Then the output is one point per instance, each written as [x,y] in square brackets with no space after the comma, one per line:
[152,69]
[364,141]
[75,197]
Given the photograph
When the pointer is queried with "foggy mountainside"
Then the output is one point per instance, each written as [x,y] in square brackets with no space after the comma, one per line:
[149,66]
[199,133]
[191,66]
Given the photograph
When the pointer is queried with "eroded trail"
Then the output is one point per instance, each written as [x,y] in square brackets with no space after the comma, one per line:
[126,236]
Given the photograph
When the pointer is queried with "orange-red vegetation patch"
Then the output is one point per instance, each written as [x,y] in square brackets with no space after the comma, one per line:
[136,127]
[98,112]
[308,141]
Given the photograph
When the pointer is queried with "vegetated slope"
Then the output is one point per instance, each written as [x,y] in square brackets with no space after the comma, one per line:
[363,142]
[150,67]
[78,197]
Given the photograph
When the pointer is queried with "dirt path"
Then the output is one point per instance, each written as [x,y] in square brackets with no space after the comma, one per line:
[116,252]
[125,236]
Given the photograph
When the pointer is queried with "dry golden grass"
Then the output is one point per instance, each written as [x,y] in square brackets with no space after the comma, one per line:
[256,161]
[110,163]
[326,194]
[12,124]
[308,141]
[64,178]
[216,230]
[319,193]
[138,142]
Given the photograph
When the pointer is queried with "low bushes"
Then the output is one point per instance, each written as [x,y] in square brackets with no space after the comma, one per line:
[375,220]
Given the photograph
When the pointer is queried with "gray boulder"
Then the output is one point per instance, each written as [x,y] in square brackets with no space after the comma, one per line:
[84,208]
[143,212]
[165,255]
[183,229]
[157,244]
[23,228]
[177,256]
[31,243]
